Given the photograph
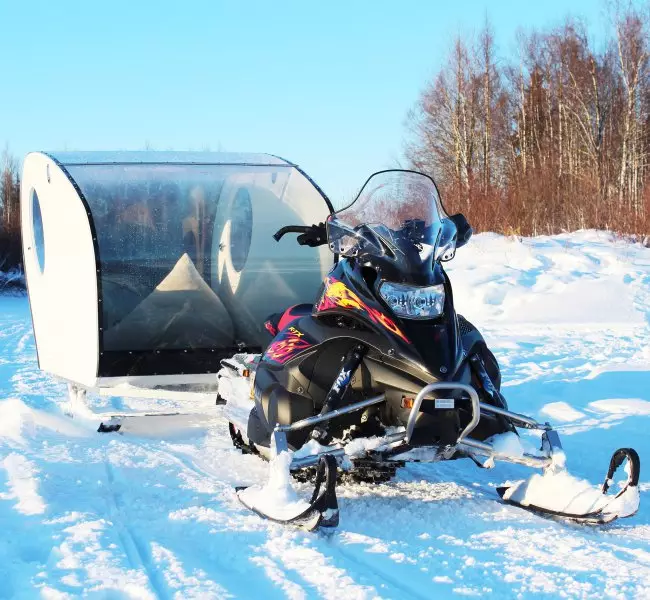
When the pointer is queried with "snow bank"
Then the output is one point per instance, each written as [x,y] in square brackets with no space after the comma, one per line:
[18,422]
[561,412]
[582,278]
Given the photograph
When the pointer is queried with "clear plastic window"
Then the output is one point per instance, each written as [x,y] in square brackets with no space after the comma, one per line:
[186,253]
[39,235]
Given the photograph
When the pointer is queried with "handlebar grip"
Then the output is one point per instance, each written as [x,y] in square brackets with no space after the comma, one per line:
[290,229]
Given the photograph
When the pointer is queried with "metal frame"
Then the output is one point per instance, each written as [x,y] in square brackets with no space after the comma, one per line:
[279,437]
[330,415]
[523,420]
[111,421]
[432,387]
[551,446]
[481,448]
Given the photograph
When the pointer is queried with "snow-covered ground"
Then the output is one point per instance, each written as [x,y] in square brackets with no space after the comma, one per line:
[88,514]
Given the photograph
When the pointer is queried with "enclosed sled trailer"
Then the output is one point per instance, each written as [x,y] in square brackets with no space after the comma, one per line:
[150,267]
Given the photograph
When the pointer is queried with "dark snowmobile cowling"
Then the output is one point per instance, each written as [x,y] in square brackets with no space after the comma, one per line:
[382,371]
[158,264]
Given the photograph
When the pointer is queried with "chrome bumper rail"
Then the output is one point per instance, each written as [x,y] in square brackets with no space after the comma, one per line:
[330,415]
[519,418]
[279,436]
[432,387]
[312,459]
[474,446]
[550,439]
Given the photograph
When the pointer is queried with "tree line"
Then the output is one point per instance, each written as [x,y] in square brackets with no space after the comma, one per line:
[556,139]
[10,245]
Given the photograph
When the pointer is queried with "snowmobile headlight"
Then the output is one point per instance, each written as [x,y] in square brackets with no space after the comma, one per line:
[413,302]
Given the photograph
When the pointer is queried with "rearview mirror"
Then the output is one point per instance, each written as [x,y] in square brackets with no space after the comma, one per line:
[463,228]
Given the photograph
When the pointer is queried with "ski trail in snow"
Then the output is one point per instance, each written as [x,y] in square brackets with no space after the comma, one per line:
[402,588]
[195,586]
[291,589]
[315,569]
[281,549]
[194,476]
[135,550]
[85,564]
[311,566]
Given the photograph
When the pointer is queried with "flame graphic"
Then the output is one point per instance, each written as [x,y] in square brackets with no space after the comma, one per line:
[291,342]
[338,295]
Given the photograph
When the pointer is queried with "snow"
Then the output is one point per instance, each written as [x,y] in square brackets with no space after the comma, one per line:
[360,446]
[622,406]
[508,444]
[310,448]
[236,392]
[22,484]
[135,516]
[561,412]
[276,498]
[560,491]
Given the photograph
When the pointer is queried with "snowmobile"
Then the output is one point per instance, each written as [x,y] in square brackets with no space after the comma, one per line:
[381,371]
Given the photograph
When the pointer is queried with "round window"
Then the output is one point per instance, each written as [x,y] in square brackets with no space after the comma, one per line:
[241,231]
[39,237]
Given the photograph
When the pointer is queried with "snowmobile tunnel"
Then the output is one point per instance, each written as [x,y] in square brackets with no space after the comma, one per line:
[149,264]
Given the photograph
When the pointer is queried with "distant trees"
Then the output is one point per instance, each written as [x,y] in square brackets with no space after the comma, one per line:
[10,248]
[558,140]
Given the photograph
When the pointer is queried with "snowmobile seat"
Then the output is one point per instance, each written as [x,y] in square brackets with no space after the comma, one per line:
[279,321]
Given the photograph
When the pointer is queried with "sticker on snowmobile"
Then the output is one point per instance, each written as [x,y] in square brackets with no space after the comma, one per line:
[338,295]
[286,345]
[444,402]
[341,381]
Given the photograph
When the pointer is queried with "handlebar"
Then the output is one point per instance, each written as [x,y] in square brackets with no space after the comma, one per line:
[290,229]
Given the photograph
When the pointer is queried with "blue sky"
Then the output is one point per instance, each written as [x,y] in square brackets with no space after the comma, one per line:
[325,84]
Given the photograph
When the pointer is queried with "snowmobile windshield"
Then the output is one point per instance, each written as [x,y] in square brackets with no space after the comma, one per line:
[396,212]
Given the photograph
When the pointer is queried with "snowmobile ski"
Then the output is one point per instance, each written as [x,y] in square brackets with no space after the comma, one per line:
[608,512]
[150,423]
[323,510]
[115,421]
